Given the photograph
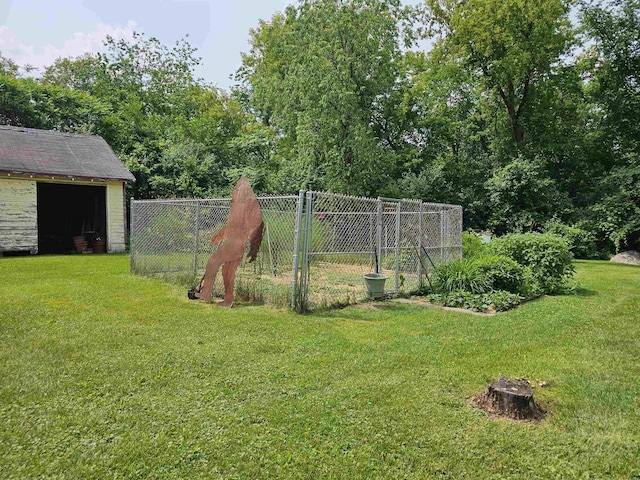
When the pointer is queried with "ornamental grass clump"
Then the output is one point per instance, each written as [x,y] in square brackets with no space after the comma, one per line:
[464,275]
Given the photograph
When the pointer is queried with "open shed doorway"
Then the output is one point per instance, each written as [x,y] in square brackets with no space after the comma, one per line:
[67,213]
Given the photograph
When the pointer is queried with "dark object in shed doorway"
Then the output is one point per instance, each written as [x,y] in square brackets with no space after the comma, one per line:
[510,398]
[243,224]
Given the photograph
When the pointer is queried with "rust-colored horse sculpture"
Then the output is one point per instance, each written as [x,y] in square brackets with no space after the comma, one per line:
[244,224]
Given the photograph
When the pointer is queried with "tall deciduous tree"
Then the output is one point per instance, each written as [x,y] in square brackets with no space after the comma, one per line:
[25,102]
[173,131]
[321,74]
[510,44]
[614,88]
[615,84]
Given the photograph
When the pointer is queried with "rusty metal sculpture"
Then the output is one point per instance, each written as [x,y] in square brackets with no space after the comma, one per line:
[243,224]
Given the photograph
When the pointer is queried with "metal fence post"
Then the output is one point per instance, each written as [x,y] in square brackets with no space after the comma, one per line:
[420,228]
[304,272]
[379,237]
[296,249]
[371,237]
[132,225]
[459,230]
[442,233]
[196,240]
[397,262]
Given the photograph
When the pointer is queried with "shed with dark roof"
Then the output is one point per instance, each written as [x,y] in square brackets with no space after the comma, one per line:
[60,192]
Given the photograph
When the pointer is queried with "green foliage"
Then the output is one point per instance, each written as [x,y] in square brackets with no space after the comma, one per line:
[465,275]
[497,300]
[501,272]
[522,197]
[616,69]
[582,242]
[512,44]
[311,74]
[24,102]
[617,212]
[472,245]
[177,135]
[613,62]
[8,67]
[545,256]
[476,279]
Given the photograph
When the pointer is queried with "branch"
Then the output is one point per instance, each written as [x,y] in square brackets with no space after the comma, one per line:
[525,92]
[485,72]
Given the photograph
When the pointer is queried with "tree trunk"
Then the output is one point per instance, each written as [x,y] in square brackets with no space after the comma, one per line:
[510,398]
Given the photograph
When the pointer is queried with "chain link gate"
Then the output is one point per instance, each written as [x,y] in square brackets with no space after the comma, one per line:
[316,247]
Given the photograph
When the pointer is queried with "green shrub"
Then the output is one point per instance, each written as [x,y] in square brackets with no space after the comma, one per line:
[545,256]
[464,275]
[501,272]
[472,245]
[582,243]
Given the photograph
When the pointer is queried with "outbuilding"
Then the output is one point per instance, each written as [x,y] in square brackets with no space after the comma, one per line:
[60,192]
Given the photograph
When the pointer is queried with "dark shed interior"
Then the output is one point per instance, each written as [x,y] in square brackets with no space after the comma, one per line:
[67,213]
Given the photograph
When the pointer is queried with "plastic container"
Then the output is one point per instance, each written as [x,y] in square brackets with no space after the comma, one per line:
[374,283]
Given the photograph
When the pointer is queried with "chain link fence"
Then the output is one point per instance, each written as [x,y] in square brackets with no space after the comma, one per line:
[171,239]
[316,247]
[352,236]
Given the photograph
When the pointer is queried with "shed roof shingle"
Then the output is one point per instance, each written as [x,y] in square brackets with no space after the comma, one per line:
[43,152]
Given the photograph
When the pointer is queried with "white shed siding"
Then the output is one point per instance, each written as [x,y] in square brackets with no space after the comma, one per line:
[115,218]
[18,215]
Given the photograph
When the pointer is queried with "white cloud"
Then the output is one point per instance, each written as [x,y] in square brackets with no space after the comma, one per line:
[24,53]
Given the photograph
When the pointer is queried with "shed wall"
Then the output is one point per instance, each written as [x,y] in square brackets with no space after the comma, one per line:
[18,215]
[116,235]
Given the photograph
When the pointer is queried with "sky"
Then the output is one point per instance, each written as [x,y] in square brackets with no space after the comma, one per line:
[36,32]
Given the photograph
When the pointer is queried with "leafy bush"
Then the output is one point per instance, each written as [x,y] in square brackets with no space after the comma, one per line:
[501,272]
[545,256]
[582,243]
[498,300]
[472,245]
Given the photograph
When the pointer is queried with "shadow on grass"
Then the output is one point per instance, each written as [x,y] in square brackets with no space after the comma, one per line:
[365,311]
[583,292]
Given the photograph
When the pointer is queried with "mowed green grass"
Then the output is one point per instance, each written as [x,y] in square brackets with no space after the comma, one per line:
[108,375]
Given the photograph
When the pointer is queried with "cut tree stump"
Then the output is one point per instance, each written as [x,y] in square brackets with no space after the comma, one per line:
[510,398]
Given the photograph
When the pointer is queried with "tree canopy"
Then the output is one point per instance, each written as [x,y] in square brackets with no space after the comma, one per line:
[525,113]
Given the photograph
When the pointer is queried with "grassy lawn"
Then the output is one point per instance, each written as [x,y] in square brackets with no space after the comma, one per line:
[108,375]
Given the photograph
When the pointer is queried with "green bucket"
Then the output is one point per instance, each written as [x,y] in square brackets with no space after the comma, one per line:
[374,283]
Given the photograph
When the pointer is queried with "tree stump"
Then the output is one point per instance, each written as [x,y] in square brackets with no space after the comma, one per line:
[510,398]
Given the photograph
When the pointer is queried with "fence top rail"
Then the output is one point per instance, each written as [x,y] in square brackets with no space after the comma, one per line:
[441,206]
[183,201]
[216,199]
[340,195]
[387,200]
